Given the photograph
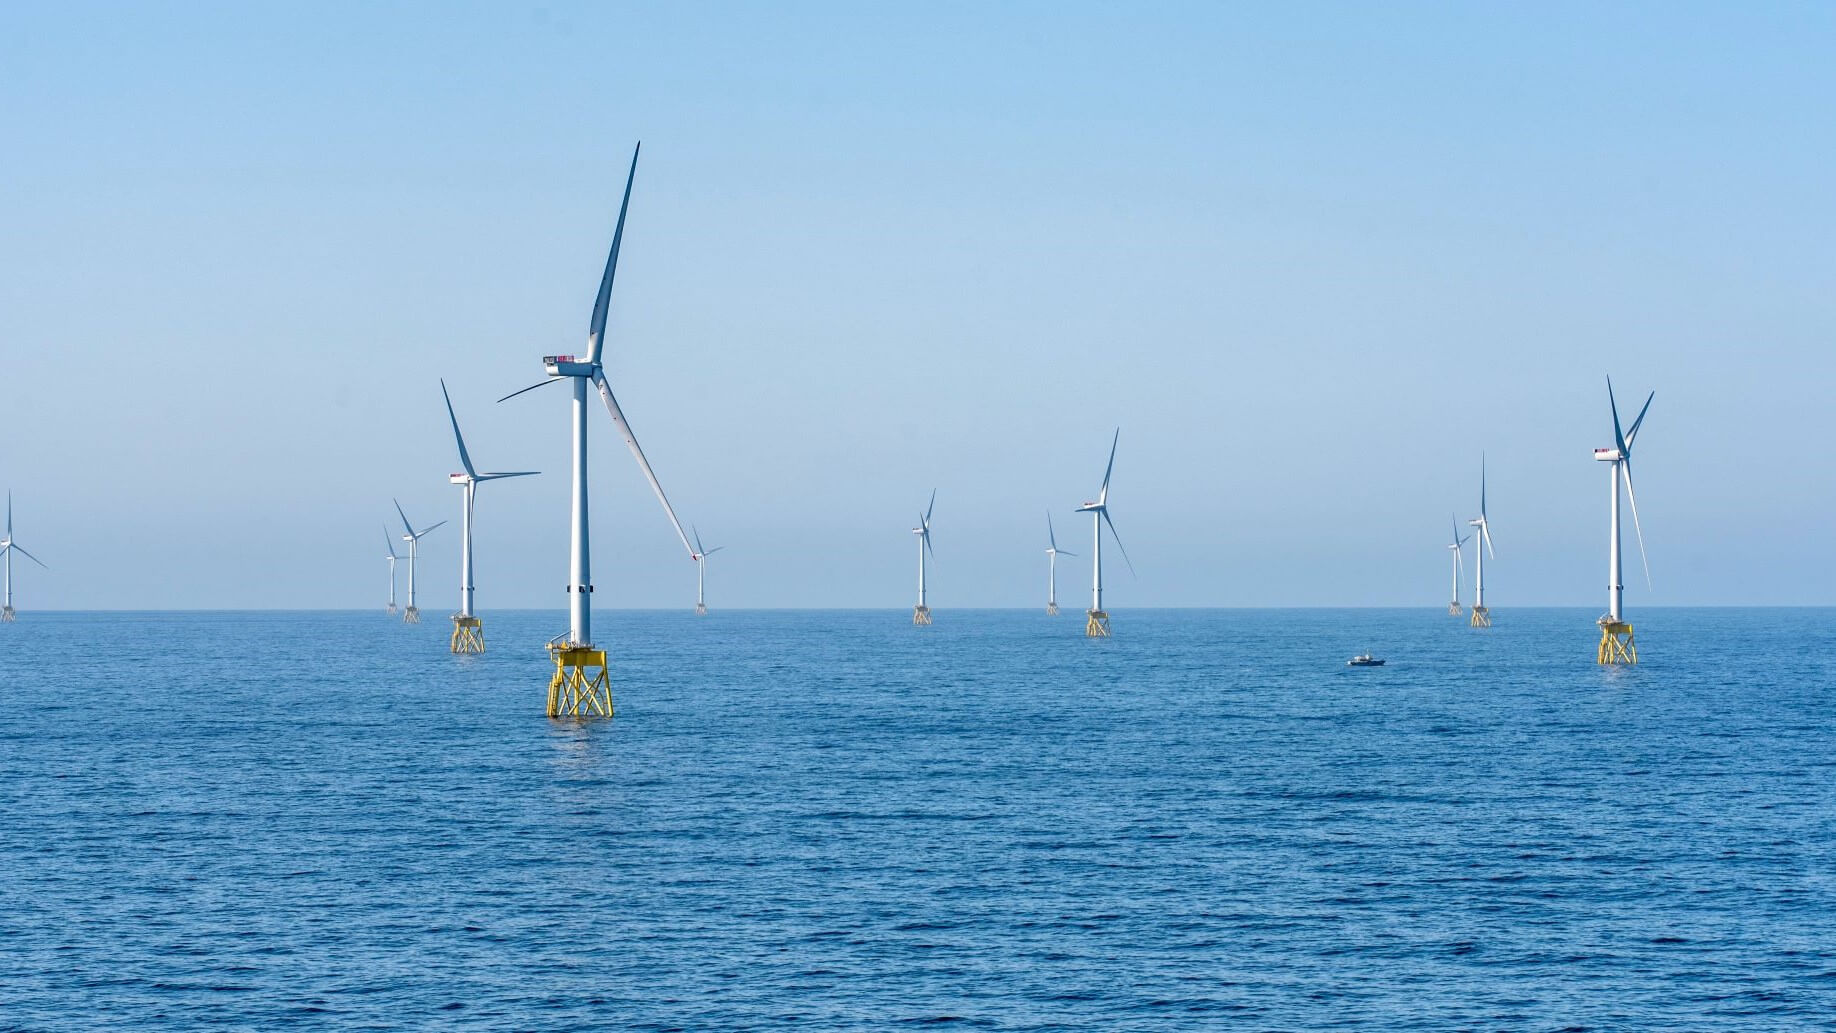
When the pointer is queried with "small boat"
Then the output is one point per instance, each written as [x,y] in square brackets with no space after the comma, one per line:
[1364,660]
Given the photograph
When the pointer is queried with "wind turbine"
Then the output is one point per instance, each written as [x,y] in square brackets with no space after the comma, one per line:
[1453,608]
[389,543]
[701,572]
[7,548]
[1616,645]
[921,614]
[579,685]
[1052,554]
[1098,624]
[1482,618]
[413,538]
[468,630]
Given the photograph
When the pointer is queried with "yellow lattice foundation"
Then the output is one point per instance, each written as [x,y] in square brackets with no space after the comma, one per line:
[1616,646]
[7,616]
[1051,609]
[921,615]
[468,635]
[1482,617]
[701,609]
[1098,624]
[579,688]
[411,616]
[1453,610]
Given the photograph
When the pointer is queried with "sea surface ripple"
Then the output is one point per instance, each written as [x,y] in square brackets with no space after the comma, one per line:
[834,820]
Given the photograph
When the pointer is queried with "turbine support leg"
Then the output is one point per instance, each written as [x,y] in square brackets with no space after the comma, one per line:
[1616,645]
[1051,609]
[411,616]
[1482,617]
[579,687]
[1097,626]
[1453,610]
[468,634]
[921,615]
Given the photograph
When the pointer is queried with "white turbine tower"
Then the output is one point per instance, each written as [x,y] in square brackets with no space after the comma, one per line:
[412,615]
[701,572]
[1453,608]
[1482,618]
[921,614]
[1052,554]
[1616,645]
[579,685]
[468,630]
[7,548]
[389,543]
[1098,624]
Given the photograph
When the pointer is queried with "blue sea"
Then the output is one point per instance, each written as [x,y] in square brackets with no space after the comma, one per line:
[835,820]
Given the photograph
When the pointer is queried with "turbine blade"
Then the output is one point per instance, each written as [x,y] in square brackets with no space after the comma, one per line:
[931,506]
[9,514]
[501,476]
[1485,535]
[927,543]
[1482,485]
[1065,552]
[1619,439]
[1632,434]
[1119,545]
[404,516]
[714,550]
[15,547]
[699,551]
[596,330]
[390,542]
[465,458]
[532,387]
[1103,496]
[624,428]
[1051,537]
[1625,468]
[428,528]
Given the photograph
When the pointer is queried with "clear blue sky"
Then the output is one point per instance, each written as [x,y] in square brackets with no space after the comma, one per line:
[1311,258]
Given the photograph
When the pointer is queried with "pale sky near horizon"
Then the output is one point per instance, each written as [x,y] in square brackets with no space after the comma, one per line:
[1312,259]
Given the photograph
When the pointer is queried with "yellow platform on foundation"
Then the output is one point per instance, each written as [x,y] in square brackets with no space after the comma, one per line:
[579,687]
[921,615]
[1616,646]
[468,634]
[1098,624]
[1482,617]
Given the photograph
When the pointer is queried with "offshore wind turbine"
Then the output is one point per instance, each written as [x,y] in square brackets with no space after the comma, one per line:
[921,614]
[1453,608]
[1097,626]
[1482,618]
[701,572]
[1616,645]
[1052,554]
[468,630]
[7,548]
[579,685]
[412,615]
[389,543]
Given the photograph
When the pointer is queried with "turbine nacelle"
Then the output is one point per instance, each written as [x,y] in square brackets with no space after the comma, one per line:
[568,366]
[1608,455]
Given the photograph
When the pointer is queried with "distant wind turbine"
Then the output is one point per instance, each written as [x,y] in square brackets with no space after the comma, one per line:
[921,614]
[412,615]
[1482,618]
[1098,624]
[7,548]
[1052,554]
[468,630]
[1453,608]
[701,571]
[579,686]
[1616,645]
[389,543]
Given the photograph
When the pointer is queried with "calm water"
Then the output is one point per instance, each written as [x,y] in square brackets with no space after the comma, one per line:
[835,820]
